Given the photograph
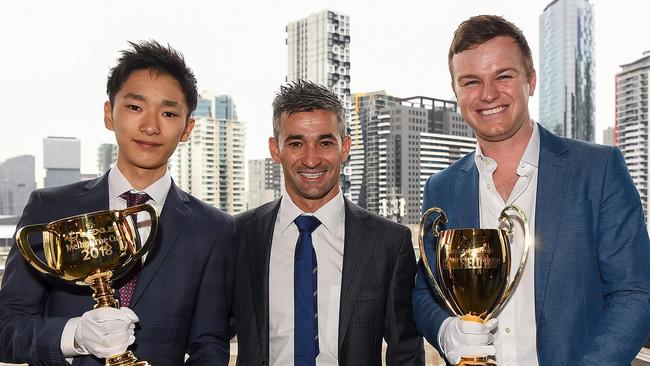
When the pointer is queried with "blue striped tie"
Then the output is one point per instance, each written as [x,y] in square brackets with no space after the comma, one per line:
[305,294]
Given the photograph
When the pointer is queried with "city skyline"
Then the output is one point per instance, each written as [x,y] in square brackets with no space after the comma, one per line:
[398,49]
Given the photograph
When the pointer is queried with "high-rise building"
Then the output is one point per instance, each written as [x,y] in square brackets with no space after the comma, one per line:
[363,164]
[217,106]
[319,51]
[210,165]
[631,129]
[397,143]
[264,182]
[106,157]
[566,78]
[61,160]
[608,136]
[16,183]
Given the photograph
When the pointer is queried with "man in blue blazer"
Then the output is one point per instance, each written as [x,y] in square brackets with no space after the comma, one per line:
[181,300]
[584,297]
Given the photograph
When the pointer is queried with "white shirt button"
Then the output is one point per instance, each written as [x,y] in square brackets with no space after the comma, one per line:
[507,330]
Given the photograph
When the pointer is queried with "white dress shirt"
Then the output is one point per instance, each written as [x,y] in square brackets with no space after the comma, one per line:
[328,241]
[515,337]
[117,185]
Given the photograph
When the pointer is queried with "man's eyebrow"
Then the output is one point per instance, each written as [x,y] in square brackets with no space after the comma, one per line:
[506,69]
[170,103]
[474,76]
[135,96]
[294,137]
[326,136]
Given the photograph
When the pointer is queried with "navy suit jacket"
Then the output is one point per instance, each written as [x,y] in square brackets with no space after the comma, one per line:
[378,272]
[592,254]
[182,297]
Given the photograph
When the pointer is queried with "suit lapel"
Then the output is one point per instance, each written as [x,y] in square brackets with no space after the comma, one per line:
[95,196]
[467,214]
[355,255]
[260,256]
[551,188]
[174,216]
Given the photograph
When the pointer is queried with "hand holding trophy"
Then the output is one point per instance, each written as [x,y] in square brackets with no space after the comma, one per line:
[472,267]
[91,250]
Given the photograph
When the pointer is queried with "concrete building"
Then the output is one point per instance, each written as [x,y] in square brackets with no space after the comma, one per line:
[61,160]
[566,77]
[210,165]
[264,182]
[608,136]
[397,143]
[319,50]
[363,164]
[106,157]
[217,106]
[631,128]
[16,183]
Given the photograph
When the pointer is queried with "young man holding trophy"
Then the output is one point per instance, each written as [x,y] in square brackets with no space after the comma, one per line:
[584,293]
[175,299]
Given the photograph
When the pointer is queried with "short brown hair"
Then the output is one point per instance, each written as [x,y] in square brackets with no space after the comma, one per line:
[305,96]
[482,28]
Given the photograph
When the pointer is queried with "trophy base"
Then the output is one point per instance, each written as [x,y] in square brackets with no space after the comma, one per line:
[125,359]
[476,361]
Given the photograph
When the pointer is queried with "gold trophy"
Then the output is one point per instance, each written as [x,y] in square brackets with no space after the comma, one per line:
[91,250]
[472,268]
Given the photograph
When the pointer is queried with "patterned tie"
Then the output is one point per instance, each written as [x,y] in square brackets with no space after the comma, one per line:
[305,294]
[126,290]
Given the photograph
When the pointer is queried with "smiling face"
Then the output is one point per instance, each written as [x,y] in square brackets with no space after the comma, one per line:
[148,117]
[492,88]
[311,151]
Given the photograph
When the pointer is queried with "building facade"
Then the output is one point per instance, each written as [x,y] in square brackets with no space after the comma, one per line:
[631,127]
[17,182]
[397,143]
[319,51]
[264,182]
[106,157]
[210,165]
[61,160]
[566,76]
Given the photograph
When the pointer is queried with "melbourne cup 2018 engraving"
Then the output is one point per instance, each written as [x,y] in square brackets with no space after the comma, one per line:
[472,267]
[91,250]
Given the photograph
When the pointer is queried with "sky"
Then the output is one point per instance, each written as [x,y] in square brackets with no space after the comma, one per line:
[56,56]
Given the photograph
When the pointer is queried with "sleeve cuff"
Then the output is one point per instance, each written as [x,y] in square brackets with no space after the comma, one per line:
[441,333]
[67,340]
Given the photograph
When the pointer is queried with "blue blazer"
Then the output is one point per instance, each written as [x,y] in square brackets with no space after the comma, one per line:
[592,253]
[182,297]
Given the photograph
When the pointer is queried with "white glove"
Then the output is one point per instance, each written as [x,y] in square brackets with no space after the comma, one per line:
[106,332]
[463,338]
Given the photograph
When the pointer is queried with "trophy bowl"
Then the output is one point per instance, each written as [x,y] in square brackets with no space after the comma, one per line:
[91,250]
[471,273]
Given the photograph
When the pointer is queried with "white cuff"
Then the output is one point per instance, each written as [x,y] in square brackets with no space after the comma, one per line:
[67,340]
[441,333]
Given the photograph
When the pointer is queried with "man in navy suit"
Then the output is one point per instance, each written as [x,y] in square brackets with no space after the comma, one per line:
[178,301]
[584,296]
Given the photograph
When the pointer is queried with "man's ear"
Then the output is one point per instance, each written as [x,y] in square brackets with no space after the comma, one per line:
[188,129]
[108,115]
[532,83]
[274,149]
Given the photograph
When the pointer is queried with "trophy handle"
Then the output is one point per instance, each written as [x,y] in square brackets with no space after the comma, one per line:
[527,242]
[441,219]
[152,232]
[28,253]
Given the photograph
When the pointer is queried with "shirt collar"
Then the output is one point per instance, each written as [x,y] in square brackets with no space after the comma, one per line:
[118,184]
[330,215]
[530,156]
